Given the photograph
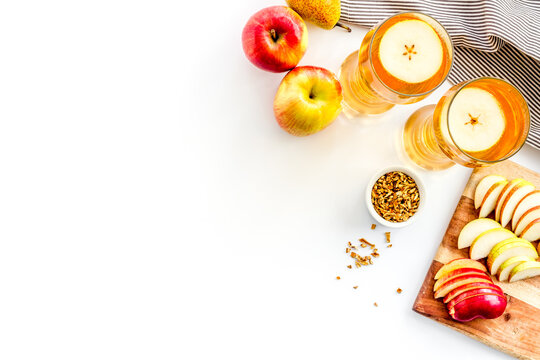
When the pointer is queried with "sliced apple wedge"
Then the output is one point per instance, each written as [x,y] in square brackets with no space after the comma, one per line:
[459,263]
[508,187]
[525,270]
[526,218]
[483,186]
[472,293]
[490,200]
[530,200]
[507,266]
[484,242]
[507,249]
[460,281]
[454,274]
[515,195]
[475,228]
[532,231]
[471,286]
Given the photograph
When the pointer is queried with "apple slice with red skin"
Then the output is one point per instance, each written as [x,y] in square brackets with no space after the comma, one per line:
[486,306]
[472,286]
[528,216]
[454,274]
[460,281]
[532,231]
[473,293]
[459,263]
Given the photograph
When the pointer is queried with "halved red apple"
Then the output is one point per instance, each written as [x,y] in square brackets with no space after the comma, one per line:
[467,287]
[460,281]
[473,293]
[486,306]
[459,263]
[454,274]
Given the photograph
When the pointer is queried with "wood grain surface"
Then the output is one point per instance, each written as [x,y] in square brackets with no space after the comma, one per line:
[517,331]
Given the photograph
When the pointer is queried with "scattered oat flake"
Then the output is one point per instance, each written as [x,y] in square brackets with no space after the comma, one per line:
[399,290]
[349,266]
[387,236]
[389,246]
[337,277]
[375,304]
[373,226]
[355,287]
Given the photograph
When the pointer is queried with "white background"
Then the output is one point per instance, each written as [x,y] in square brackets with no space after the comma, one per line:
[151,207]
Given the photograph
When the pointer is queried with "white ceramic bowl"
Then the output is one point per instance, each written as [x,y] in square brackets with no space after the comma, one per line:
[421,190]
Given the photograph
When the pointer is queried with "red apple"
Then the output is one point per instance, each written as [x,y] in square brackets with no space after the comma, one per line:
[459,263]
[471,286]
[460,281]
[487,306]
[473,293]
[275,38]
[455,273]
[308,100]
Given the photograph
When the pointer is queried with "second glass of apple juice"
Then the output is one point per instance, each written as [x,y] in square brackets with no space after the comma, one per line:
[400,61]
[477,122]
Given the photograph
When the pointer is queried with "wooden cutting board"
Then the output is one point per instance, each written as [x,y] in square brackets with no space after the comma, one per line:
[517,331]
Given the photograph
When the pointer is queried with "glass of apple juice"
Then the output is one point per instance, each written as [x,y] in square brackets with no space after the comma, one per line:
[476,123]
[400,61]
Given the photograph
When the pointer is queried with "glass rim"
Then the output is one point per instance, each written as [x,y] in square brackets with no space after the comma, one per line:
[451,48]
[528,121]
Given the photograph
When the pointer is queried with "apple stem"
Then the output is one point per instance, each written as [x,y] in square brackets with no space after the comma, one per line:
[343,26]
[274,35]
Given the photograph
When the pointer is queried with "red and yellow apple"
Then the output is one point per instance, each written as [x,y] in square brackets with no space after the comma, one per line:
[308,100]
[459,263]
[275,38]
[484,306]
[471,286]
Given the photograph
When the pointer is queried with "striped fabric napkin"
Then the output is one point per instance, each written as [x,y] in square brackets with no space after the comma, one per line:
[499,38]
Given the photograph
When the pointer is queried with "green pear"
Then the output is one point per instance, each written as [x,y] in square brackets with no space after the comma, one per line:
[323,13]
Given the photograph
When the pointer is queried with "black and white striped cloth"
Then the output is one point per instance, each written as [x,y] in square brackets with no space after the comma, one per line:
[499,38]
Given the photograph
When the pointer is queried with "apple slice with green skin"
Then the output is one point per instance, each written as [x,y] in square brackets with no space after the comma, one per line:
[454,274]
[486,306]
[532,231]
[507,249]
[508,187]
[471,286]
[483,186]
[526,218]
[490,200]
[507,266]
[515,195]
[475,228]
[525,270]
[473,293]
[530,200]
[459,263]
[460,281]
[484,242]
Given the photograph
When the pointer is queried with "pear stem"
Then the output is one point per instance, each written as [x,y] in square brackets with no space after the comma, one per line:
[274,35]
[343,26]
